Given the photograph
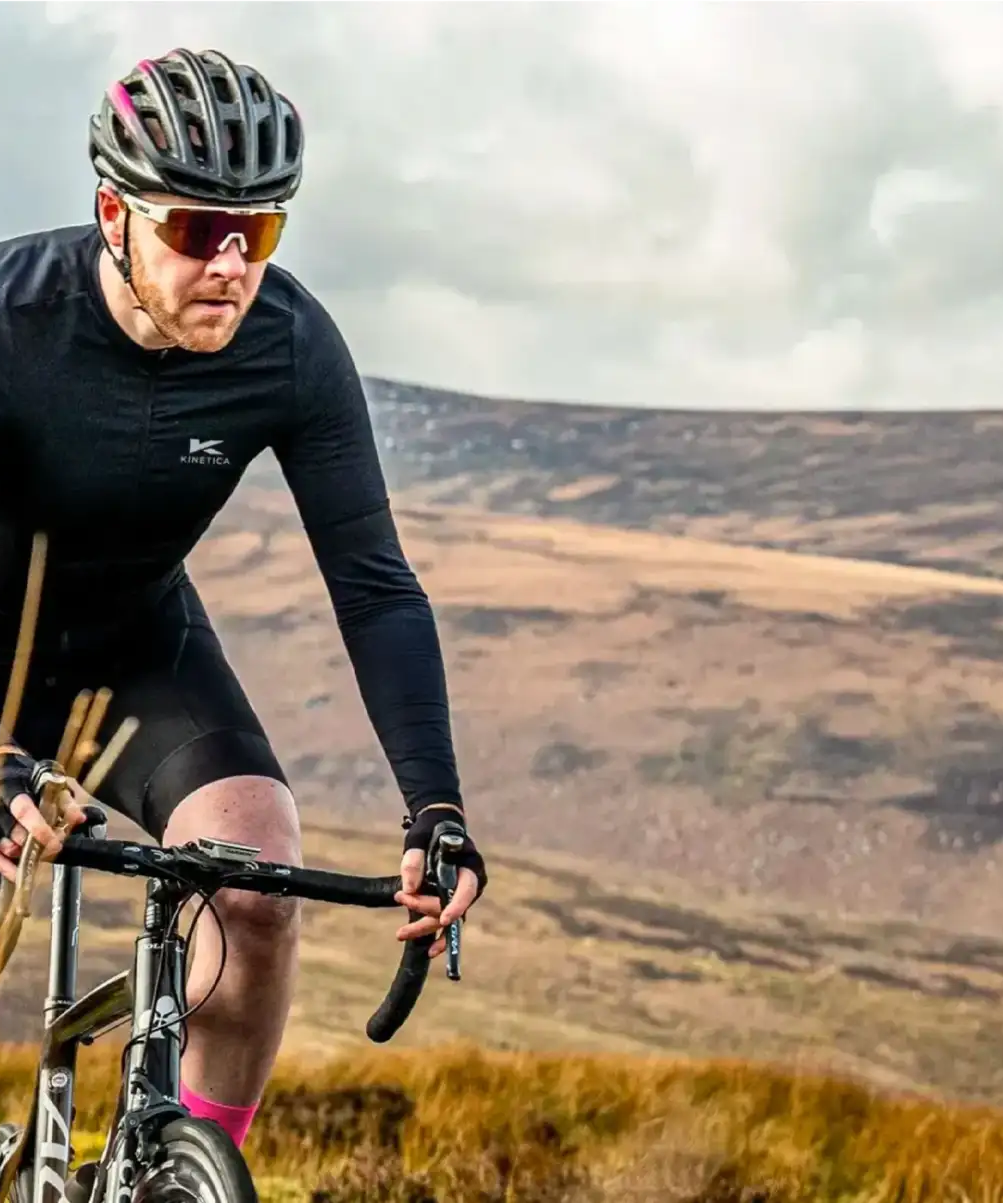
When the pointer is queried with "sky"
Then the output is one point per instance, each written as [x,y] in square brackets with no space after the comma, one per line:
[755,205]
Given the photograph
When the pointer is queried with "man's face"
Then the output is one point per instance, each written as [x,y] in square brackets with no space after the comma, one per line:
[198,305]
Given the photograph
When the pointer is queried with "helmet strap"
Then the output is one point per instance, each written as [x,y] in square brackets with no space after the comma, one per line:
[123,265]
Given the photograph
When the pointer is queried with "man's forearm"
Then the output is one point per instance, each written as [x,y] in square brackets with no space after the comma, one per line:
[397,662]
[392,641]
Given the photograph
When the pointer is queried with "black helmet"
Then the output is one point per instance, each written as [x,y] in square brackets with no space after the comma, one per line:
[198,126]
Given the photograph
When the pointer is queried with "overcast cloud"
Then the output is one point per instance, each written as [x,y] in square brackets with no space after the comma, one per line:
[745,205]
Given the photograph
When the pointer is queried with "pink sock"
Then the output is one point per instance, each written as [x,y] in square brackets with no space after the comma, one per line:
[235,1120]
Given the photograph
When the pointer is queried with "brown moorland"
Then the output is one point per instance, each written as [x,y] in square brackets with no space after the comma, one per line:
[740,800]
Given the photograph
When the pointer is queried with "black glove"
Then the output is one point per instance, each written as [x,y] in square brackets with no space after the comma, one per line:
[17,774]
[422,823]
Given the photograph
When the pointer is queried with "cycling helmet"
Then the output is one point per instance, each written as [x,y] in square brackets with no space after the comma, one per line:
[198,126]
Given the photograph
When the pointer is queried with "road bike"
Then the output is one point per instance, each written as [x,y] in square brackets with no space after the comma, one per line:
[154,1150]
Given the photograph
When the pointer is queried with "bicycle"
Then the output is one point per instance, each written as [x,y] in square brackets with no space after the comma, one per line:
[151,1133]
[155,1151]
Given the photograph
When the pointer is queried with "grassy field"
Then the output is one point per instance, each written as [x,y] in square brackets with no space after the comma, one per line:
[771,722]
[565,956]
[459,1124]
[742,812]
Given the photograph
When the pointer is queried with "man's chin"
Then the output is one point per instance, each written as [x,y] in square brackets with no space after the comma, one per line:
[207,336]
[206,343]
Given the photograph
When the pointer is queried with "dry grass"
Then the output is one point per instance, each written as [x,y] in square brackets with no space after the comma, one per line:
[564,955]
[459,1123]
[772,722]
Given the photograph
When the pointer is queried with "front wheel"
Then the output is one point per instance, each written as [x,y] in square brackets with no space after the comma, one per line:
[196,1162]
[10,1134]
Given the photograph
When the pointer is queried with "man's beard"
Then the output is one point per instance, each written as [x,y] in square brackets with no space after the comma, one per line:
[199,337]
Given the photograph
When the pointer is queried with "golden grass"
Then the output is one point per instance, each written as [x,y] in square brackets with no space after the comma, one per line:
[595,669]
[664,970]
[471,557]
[682,562]
[462,1124]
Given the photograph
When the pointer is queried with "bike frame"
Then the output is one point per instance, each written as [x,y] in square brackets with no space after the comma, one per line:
[150,1083]
[149,1091]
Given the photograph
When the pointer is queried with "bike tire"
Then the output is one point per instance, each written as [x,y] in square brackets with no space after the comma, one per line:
[21,1191]
[196,1160]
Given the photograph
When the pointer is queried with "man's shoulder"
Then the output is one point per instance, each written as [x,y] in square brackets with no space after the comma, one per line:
[42,266]
[283,291]
[323,367]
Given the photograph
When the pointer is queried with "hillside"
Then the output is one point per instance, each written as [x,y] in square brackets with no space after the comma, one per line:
[772,723]
[918,488]
[716,783]
[739,800]
[568,956]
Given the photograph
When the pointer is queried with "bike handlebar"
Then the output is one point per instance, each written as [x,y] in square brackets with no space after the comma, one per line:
[209,865]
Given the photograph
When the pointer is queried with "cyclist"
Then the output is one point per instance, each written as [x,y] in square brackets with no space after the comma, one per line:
[145,360]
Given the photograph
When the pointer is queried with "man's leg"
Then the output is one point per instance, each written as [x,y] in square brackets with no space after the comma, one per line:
[199,765]
[234,1038]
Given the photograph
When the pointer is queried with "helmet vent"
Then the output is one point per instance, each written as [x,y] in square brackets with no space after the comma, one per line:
[293,148]
[266,140]
[182,84]
[197,139]
[236,146]
[156,132]
[221,86]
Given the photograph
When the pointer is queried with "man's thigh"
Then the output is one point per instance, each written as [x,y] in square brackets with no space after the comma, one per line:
[196,724]
[254,810]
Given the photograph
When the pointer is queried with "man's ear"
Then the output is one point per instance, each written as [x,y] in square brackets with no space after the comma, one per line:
[110,214]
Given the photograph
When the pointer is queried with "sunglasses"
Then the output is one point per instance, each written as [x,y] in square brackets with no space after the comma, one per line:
[200,232]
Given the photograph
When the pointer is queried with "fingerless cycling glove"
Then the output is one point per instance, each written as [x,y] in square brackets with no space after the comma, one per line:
[17,771]
[419,828]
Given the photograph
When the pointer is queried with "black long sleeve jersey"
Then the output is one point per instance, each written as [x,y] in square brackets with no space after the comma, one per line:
[124,456]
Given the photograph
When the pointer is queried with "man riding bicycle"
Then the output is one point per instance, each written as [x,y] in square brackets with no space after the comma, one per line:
[145,361]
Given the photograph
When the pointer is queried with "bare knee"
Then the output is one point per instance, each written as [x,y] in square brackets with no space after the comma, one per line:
[247,810]
[259,926]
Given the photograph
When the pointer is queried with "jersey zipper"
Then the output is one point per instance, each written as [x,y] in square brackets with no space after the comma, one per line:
[143,455]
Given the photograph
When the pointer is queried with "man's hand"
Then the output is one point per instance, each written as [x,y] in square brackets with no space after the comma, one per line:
[20,817]
[471,879]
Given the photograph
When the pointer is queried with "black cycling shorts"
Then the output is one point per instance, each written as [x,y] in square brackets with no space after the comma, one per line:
[166,668]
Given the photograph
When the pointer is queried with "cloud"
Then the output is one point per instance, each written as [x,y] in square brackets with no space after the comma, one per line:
[687,204]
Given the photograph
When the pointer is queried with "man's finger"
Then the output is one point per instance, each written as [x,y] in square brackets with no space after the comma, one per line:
[466,892]
[17,837]
[412,870]
[425,904]
[73,815]
[30,818]
[8,869]
[420,927]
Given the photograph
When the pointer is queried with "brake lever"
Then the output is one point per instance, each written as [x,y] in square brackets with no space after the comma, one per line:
[443,873]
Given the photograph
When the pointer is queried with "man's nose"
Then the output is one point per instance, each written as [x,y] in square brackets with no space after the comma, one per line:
[229,263]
